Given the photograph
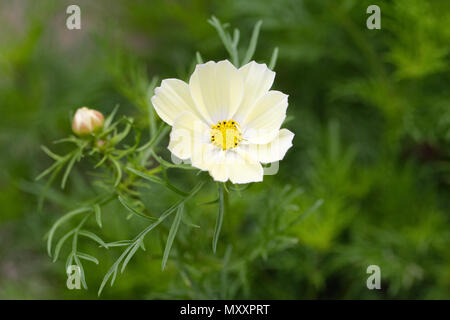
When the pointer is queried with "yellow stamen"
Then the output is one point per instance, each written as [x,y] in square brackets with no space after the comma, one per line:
[225,134]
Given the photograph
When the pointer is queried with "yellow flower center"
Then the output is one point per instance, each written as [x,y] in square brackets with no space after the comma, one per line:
[225,134]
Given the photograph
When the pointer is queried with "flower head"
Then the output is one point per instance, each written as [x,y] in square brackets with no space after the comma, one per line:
[226,120]
[87,121]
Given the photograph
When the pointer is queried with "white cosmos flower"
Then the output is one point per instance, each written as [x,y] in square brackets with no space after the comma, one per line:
[226,120]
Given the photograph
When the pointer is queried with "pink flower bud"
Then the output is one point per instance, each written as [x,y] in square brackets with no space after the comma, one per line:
[87,121]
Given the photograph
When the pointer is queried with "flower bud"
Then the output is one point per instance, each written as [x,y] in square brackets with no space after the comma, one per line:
[87,121]
[100,143]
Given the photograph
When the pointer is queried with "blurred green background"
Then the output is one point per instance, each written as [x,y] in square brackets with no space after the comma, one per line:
[371,114]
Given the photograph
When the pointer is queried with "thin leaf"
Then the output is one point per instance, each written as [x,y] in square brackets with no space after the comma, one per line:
[226,40]
[158,180]
[114,275]
[72,139]
[162,131]
[172,234]
[199,57]
[60,244]
[69,260]
[116,165]
[119,137]
[47,187]
[253,42]
[98,164]
[135,247]
[273,59]
[145,176]
[120,243]
[60,221]
[98,214]
[167,164]
[170,210]
[51,168]
[112,270]
[83,279]
[221,31]
[87,257]
[236,36]
[132,210]
[313,208]
[68,169]
[111,116]
[188,222]
[94,237]
[52,155]
[209,202]
[170,186]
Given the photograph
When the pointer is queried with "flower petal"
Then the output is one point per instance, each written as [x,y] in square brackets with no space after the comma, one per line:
[232,164]
[212,159]
[172,98]
[263,122]
[273,151]
[243,169]
[258,79]
[204,155]
[219,172]
[246,173]
[188,134]
[217,90]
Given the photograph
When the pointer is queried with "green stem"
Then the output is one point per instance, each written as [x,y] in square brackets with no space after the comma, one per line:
[223,206]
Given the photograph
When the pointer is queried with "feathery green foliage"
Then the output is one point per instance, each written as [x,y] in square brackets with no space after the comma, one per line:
[366,182]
